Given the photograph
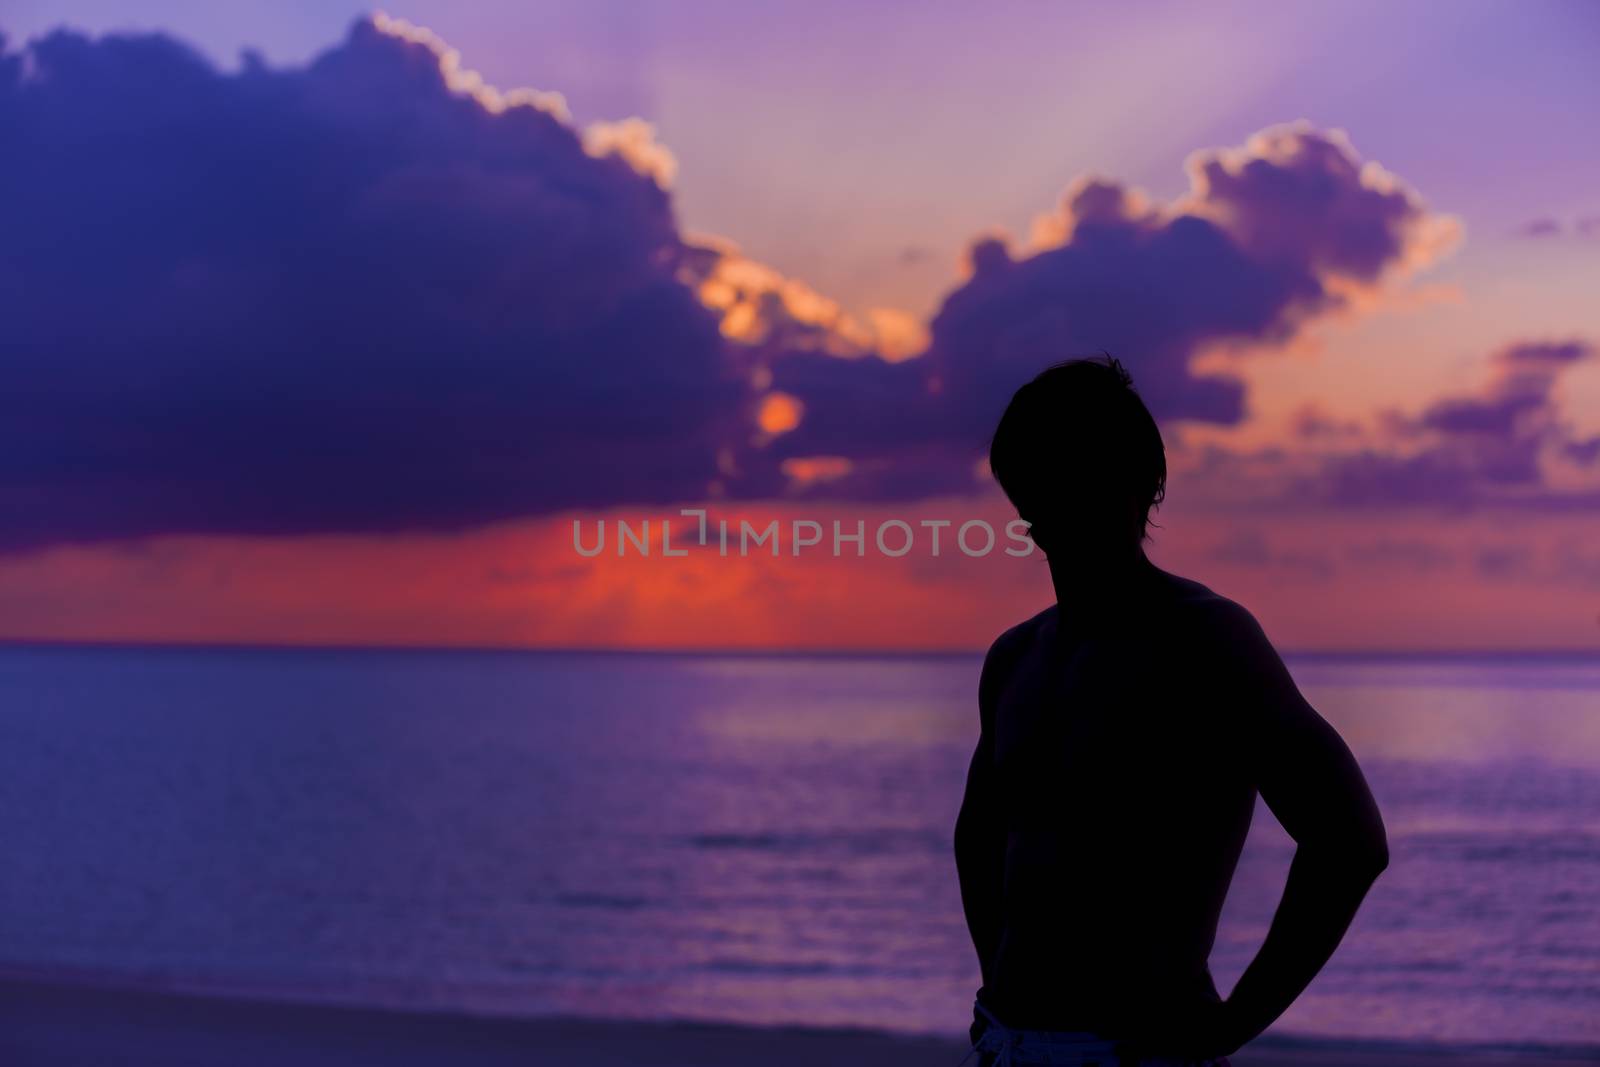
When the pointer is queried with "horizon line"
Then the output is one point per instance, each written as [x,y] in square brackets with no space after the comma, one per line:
[705,652]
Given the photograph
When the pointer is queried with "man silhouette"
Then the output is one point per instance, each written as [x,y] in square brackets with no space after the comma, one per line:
[1125,732]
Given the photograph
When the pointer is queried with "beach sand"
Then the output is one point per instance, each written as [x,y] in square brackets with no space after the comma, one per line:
[56,1025]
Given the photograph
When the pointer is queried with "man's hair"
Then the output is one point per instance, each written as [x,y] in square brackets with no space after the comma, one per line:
[1079,423]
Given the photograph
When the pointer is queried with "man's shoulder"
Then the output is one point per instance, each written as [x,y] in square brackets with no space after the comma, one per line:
[1011,647]
[1217,630]
[1014,641]
[1199,607]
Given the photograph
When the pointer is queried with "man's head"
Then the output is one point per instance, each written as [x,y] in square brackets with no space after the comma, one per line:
[1081,458]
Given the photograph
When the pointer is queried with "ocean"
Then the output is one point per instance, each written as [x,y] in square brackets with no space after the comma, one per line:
[747,839]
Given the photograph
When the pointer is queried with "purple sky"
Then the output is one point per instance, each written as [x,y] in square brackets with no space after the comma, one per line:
[829,138]
[1349,251]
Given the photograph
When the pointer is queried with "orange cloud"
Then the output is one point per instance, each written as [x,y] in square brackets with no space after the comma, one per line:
[779,413]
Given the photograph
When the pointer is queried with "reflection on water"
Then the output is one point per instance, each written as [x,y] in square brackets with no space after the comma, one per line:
[744,838]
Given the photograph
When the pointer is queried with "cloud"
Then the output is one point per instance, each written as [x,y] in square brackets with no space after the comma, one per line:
[1311,423]
[1506,443]
[1247,547]
[1492,445]
[1503,561]
[374,294]
[1291,226]
[367,294]
[1400,553]
[1585,227]
[634,140]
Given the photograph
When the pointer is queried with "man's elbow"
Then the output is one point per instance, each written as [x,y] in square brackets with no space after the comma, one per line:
[1376,855]
[963,836]
[1366,856]
[973,836]
[1374,843]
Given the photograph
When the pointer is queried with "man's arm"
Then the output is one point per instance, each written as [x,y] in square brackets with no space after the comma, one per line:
[1311,783]
[980,836]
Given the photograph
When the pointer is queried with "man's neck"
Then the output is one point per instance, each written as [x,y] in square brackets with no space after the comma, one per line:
[1094,590]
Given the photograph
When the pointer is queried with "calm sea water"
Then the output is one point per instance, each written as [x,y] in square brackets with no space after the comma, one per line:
[749,839]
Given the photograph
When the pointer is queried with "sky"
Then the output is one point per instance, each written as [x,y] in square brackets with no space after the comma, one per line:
[327,326]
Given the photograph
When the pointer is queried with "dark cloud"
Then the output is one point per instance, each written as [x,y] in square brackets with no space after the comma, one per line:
[1311,423]
[1509,443]
[1486,447]
[1516,410]
[1544,357]
[1400,552]
[1271,235]
[1245,547]
[1537,228]
[1248,547]
[1503,561]
[358,295]
[371,294]
[1577,563]
[1584,450]
[1584,228]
